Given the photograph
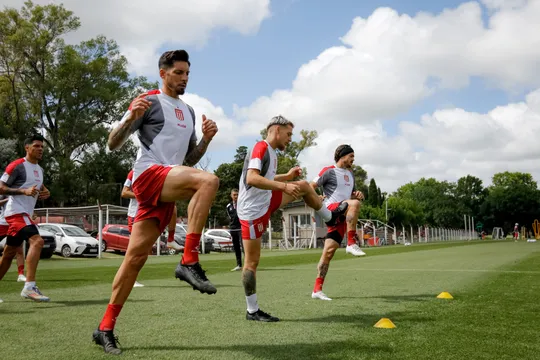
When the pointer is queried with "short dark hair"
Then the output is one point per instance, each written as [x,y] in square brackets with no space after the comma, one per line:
[341,151]
[168,58]
[234,190]
[31,139]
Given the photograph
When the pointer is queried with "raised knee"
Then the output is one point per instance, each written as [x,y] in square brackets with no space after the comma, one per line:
[37,243]
[304,185]
[212,181]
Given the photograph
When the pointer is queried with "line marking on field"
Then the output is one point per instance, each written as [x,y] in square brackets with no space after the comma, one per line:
[421,270]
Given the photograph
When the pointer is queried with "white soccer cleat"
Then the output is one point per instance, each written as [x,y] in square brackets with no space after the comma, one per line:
[21,278]
[354,250]
[174,245]
[320,295]
[137,284]
[34,294]
[238,268]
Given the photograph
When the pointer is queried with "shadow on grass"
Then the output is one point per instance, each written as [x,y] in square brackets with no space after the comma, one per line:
[366,320]
[393,298]
[70,303]
[325,350]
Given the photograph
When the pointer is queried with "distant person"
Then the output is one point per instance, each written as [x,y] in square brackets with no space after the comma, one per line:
[235,229]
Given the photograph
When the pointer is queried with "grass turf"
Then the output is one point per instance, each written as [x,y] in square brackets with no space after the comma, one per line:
[494,313]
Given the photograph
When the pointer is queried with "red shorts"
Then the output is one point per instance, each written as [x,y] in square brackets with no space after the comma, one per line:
[130,223]
[253,229]
[17,222]
[3,231]
[341,227]
[147,189]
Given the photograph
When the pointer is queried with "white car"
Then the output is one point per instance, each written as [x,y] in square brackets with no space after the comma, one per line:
[72,240]
[48,246]
[221,238]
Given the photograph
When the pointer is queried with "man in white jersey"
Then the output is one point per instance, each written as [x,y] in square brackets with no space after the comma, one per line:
[165,126]
[337,183]
[23,183]
[263,192]
[4,226]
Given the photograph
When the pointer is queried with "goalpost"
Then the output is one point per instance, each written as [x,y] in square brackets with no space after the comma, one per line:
[497,233]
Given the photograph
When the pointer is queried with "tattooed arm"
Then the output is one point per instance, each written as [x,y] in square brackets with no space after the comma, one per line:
[250,284]
[196,151]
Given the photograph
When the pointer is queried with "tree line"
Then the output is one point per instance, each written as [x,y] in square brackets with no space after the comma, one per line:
[72,93]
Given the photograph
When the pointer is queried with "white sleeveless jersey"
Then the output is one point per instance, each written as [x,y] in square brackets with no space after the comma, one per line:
[164,131]
[253,202]
[337,184]
[22,174]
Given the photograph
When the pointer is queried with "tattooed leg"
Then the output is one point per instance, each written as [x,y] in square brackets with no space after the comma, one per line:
[249,281]
[322,269]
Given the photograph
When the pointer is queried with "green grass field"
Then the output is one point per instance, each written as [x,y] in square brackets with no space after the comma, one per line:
[495,313]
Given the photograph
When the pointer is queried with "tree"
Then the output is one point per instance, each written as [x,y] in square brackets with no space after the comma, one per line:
[360,177]
[71,92]
[8,153]
[436,199]
[404,211]
[513,197]
[229,178]
[373,194]
[470,193]
[509,179]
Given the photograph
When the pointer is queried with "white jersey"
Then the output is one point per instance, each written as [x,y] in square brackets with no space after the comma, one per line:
[337,184]
[133,203]
[22,174]
[164,131]
[253,202]
[3,221]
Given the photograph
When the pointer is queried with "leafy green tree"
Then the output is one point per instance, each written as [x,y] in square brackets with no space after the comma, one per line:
[373,194]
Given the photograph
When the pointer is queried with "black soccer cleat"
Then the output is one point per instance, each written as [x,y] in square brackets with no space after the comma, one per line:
[338,215]
[260,315]
[196,277]
[107,340]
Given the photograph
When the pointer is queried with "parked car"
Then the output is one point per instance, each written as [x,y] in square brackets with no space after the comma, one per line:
[71,240]
[180,238]
[116,237]
[48,246]
[221,239]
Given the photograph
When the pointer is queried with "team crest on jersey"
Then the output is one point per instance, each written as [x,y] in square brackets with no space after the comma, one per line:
[346,178]
[36,173]
[179,114]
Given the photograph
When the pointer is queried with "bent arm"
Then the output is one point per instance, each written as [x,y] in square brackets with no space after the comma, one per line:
[119,135]
[5,190]
[195,152]
[127,193]
[255,179]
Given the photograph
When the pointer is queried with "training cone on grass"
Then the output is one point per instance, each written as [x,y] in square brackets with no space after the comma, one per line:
[444,295]
[385,323]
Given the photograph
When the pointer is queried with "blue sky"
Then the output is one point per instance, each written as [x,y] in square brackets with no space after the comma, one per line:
[233,69]
[297,32]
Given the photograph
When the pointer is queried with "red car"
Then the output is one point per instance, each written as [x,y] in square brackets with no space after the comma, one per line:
[116,237]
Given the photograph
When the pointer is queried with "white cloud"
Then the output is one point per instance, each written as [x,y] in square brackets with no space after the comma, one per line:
[227,129]
[142,27]
[446,145]
[389,62]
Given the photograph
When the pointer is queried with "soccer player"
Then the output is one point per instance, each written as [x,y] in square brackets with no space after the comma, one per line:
[4,226]
[235,229]
[263,192]
[23,182]
[337,183]
[165,126]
